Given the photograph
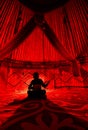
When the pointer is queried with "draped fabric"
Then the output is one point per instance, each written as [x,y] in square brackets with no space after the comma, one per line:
[62,36]
[66,22]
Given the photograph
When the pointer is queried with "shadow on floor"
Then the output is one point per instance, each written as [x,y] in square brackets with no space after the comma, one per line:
[41,114]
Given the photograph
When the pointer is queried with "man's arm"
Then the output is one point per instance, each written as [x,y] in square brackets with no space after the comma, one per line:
[45,84]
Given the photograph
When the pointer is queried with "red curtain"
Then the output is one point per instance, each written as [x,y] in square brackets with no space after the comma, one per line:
[68,23]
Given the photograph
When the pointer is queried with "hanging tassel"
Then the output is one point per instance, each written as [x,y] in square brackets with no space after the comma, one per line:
[76,68]
[3,75]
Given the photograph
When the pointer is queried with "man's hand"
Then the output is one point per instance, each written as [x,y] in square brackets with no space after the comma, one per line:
[47,82]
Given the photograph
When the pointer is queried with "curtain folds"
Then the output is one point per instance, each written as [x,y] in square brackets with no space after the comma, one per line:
[64,30]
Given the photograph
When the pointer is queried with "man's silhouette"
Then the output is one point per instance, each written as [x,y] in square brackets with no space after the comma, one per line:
[34,88]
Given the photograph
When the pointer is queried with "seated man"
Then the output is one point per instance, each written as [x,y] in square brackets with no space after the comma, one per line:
[34,88]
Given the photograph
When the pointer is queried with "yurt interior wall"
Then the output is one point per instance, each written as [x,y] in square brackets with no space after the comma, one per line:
[53,43]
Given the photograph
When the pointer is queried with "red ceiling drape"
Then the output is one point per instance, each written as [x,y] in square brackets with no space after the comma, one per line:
[66,22]
[69,23]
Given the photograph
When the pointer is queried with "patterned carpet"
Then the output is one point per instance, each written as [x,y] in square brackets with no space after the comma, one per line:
[63,109]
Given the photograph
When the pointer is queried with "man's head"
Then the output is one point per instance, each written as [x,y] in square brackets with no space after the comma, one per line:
[35,75]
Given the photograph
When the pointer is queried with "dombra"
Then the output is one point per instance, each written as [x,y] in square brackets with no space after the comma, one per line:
[36,88]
